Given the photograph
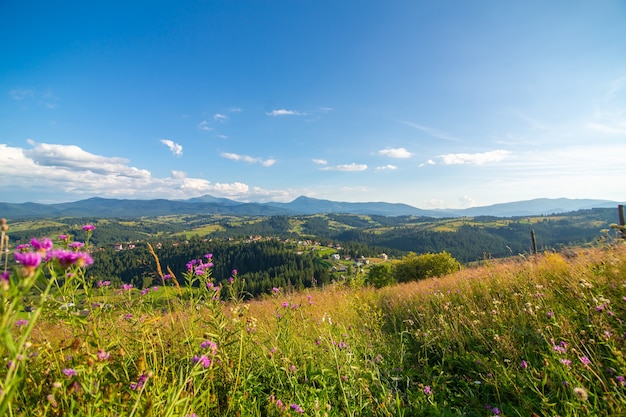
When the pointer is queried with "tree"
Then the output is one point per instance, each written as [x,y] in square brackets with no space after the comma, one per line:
[415,267]
[381,275]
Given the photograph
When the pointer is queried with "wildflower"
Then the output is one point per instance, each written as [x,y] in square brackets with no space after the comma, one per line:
[566,362]
[103,355]
[428,390]
[205,361]
[63,237]
[20,323]
[101,284]
[126,287]
[285,304]
[128,316]
[140,382]
[145,291]
[43,245]
[76,245]
[4,280]
[89,228]
[25,247]
[297,408]
[275,290]
[231,280]
[234,272]
[69,372]
[342,345]
[585,360]
[524,364]
[279,404]
[550,313]
[208,344]
[581,393]
[167,276]
[209,256]
[621,380]
[29,261]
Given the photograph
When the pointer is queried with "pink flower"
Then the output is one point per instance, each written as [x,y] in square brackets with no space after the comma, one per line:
[89,228]
[69,372]
[585,360]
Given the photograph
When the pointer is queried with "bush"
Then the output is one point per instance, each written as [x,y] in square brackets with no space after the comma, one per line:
[415,267]
[381,275]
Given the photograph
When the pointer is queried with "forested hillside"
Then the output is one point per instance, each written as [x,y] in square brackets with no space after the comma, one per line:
[266,252]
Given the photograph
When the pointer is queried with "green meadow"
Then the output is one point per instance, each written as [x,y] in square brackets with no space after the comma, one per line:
[535,336]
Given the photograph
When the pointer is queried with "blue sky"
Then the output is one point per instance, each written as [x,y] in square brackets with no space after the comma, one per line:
[429,103]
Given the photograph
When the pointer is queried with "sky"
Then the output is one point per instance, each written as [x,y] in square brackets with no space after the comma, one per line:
[436,104]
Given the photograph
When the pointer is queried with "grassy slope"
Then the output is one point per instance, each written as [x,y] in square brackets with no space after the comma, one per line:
[544,336]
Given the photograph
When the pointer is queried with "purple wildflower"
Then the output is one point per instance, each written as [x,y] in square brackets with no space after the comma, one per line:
[208,344]
[524,364]
[203,360]
[140,382]
[103,355]
[209,256]
[297,408]
[4,280]
[25,247]
[621,380]
[21,323]
[234,272]
[566,362]
[585,360]
[89,228]
[428,390]
[285,304]
[63,237]
[76,245]
[126,287]
[43,245]
[29,261]
[275,290]
[167,276]
[69,372]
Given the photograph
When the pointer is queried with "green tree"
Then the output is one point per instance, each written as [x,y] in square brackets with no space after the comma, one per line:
[381,275]
[415,267]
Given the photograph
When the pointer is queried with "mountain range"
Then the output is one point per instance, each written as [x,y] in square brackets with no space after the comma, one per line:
[102,207]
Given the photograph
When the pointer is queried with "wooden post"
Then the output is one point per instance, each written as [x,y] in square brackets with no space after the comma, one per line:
[532,237]
[622,222]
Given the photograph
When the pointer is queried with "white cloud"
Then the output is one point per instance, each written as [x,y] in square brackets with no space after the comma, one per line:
[178,175]
[386,168]
[220,117]
[72,157]
[283,112]
[320,161]
[474,158]
[204,125]
[249,159]
[395,153]
[176,149]
[429,162]
[62,172]
[348,167]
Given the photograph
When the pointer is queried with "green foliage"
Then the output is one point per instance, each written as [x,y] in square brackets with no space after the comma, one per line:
[415,267]
[544,337]
[381,275]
